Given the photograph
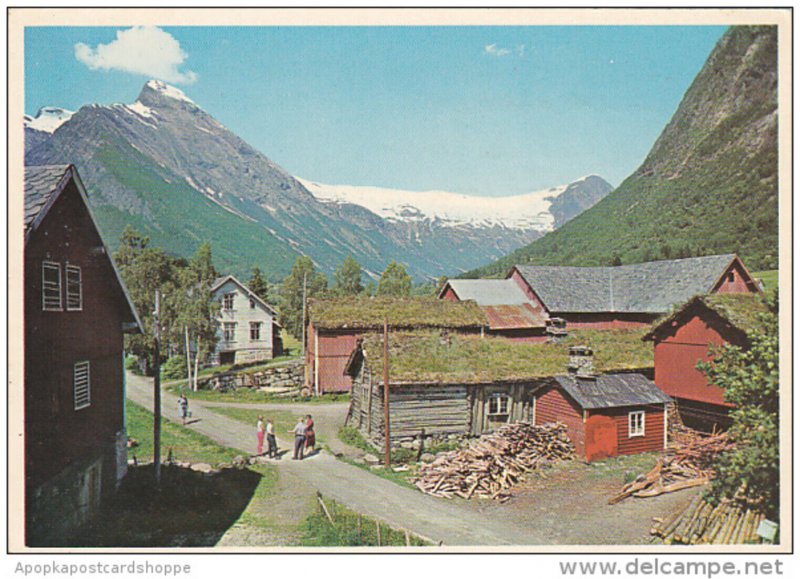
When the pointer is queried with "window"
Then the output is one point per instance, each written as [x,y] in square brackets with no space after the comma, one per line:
[51,286]
[498,404]
[227,301]
[252,304]
[81,385]
[255,331]
[229,331]
[636,423]
[74,288]
[731,277]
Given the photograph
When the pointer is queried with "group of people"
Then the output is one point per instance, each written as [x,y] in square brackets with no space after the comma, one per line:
[304,438]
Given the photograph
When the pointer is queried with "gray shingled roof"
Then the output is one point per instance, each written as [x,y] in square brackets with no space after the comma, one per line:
[652,287]
[42,184]
[489,292]
[612,390]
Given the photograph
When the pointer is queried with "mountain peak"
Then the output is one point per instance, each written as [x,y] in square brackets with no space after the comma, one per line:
[156,90]
[48,119]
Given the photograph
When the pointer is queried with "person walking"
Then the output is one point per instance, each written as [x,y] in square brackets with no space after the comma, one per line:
[183,408]
[272,444]
[311,440]
[299,431]
[260,431]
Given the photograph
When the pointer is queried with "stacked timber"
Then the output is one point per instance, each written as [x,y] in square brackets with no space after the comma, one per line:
[495,462]
[688,463]
[702,523]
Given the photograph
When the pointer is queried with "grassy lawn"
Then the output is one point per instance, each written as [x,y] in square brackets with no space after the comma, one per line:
[283,420]
[254,396]
[346,528]
[185,444]
[769,277]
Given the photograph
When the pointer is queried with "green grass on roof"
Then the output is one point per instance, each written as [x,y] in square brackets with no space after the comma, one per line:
[741,310]
[470,359]
[407,313]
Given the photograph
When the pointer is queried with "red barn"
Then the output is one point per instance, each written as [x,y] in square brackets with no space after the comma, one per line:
[76,312]
[335,325]
[628,295]
[509,312]
[685,338]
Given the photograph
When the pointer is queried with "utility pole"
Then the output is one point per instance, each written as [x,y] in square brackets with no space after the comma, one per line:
[305,275]
[157,391]
[387,453]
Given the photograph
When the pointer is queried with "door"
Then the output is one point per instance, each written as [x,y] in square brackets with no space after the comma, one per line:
[601,437]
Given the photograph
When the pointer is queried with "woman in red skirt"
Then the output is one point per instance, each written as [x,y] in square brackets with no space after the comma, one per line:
[310,438]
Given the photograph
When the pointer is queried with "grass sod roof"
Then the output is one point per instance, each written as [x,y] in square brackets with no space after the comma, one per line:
[401,313]
[742,311]
[421,357]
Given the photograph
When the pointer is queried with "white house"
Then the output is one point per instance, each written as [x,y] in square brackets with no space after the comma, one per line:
[248,326]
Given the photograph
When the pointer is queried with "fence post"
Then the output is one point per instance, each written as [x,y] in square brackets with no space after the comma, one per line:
[378,527]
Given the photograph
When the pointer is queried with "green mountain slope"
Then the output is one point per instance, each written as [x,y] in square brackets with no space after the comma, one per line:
[709,185]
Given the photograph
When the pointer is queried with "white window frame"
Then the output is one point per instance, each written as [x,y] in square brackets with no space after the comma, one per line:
[636,421]
[229,329]
[503,405]
[49,306]
[82,385]
[72,295]
[257,327]
[226,299]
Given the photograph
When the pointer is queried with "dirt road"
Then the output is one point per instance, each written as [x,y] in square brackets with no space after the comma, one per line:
[453,523]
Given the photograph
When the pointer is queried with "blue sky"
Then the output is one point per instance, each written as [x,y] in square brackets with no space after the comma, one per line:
[476,110]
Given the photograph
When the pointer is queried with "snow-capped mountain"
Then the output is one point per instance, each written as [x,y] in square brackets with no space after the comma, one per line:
[535,211]
[170,169]
[48,119]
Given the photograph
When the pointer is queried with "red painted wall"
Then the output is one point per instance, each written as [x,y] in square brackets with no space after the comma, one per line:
[450,295]
[520,281]
[335,348]
[735,280]
[55,433]
[607,321]
[653,439]
[676,357]
[553,406]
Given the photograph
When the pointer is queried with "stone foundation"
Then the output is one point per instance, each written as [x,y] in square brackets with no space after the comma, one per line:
[280,380]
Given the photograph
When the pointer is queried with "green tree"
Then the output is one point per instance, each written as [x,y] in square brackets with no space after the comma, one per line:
[394,281]
[347,278]
[750,379]
[144,270]
[291,293]
[258,285]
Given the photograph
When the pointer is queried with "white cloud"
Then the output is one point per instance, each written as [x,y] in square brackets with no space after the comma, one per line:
[145,50]
[494,50]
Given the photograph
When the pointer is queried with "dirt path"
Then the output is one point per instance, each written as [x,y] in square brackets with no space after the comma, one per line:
[450,522]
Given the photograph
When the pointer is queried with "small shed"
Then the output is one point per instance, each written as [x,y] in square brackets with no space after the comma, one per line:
[686,336]
[606,415]
[336,323]
[443,385]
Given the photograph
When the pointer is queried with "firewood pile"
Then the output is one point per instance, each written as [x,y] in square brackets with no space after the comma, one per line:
[488,468]
[688,463]
[701,523]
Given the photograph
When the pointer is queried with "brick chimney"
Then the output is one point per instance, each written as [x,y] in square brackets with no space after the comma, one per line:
[581,362]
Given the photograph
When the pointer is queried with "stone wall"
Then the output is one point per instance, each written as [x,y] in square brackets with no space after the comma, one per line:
[280,380]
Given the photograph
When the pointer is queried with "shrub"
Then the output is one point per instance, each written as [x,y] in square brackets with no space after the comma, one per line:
[174,368]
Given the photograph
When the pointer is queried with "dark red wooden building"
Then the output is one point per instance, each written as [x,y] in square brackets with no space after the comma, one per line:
[335,325]
[606,415]
[632,295]
[685,338]
[76,312]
